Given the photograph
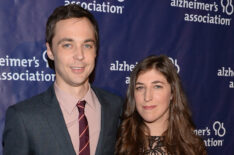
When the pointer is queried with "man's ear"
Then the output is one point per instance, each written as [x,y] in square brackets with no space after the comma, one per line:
[49,52]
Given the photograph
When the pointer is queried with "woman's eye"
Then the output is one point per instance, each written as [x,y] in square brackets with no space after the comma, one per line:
[157,86]
[139,88]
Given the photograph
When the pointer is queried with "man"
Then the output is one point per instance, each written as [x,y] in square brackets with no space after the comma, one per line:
[48,124]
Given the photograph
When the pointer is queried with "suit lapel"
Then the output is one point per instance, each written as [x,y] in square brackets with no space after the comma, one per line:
[104,116]
[56,122]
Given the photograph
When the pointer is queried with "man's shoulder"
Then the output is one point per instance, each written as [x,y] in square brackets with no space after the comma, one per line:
[108,97]
[106,94]
[33,101]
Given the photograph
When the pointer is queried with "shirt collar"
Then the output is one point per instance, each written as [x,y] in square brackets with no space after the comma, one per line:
[69,102]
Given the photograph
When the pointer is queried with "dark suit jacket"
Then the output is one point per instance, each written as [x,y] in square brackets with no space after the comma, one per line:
[37,127]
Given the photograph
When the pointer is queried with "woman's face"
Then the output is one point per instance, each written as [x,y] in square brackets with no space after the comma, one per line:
[152,95]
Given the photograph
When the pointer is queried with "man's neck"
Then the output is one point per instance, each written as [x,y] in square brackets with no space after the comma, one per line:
[78,91]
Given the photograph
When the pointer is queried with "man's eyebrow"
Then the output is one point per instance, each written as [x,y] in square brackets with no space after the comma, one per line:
[64,39]
[90,40]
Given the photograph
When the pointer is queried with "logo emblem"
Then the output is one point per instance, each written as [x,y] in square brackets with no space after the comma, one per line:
[227,6]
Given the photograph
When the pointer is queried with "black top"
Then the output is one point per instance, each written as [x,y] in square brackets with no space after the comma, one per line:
[156,146]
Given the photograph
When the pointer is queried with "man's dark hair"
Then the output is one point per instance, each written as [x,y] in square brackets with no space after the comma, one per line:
[67,12]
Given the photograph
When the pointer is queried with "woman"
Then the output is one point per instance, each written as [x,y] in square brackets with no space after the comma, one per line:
[156,118]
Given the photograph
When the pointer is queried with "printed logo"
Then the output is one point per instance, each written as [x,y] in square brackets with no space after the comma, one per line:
[44,54]
[226,72]
[24,69]
[218,14]
[218,132]
[174,61]
[219,129]
[95,6]
[124,66]
[227,6]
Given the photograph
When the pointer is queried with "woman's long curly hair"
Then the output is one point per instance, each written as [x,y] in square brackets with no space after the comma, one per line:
[179,138]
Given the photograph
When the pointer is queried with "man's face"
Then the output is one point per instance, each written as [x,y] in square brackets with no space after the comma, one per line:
[73,51]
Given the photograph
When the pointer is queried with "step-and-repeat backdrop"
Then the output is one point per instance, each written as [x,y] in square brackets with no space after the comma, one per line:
[198,36]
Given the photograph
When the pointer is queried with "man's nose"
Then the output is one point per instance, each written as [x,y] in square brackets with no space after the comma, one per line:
[78,53]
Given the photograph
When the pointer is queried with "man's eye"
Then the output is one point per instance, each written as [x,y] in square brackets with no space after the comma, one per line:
[66,45]
[88,46]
